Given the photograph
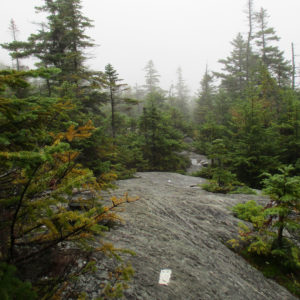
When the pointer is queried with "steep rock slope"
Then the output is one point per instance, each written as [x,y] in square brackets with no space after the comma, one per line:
[177,225]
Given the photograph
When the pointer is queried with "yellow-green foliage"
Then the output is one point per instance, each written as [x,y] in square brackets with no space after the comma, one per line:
[260,246]
[119,282]
[248,211]
[263,243]
[39,172]
[256,238]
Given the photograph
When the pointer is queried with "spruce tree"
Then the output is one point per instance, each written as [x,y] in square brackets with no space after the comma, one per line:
[235,69]
[159,142]
[17,49]
[272,58]
[284,190]
[151,78]
[254,140]
[205,100]
[250,17]
[61,41]
[114,88]
[13,47]
[182,97]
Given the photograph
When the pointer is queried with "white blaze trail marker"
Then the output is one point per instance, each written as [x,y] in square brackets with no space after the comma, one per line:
[164,276]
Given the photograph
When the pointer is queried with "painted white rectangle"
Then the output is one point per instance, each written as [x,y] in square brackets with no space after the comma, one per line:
[165,276]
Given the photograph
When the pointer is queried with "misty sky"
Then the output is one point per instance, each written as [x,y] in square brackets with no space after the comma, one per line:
[173,33]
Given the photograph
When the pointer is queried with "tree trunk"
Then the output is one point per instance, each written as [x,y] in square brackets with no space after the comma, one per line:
[280,231]
[293,67]
[250,23]
[112,102]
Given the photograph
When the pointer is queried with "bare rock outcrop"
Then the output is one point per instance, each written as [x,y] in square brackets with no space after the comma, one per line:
[177,225]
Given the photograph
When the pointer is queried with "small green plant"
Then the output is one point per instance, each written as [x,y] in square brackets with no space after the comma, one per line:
[264,245]
[214,187]
[223,181]
[247,211]
[119,282]
[243,190]
[284,190]
[206,172]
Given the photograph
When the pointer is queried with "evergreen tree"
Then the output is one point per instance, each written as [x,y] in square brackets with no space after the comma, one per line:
[284,190]
[288,128]
[39,171]
[264,36]
[14,31]
[159,141]
[213,114]
[33,161]
[254,141]
[250,17]
[151,78]
[235,69]
[264,242]
[181,94]
[16,48]
[206,97]
[62,40]
[114,88]
[270,54]
[59,43]
[222,179]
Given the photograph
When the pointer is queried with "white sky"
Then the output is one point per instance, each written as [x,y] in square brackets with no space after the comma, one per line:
[173,33]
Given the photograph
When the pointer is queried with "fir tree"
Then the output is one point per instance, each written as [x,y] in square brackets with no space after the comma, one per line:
[254,140]
[284,190]
[114,88]
[39,171]
[15,45]
[205,100]
[250,17]
[181,95]
[17,49]
[151,78]
[159,141]
[270,54]
[235,70]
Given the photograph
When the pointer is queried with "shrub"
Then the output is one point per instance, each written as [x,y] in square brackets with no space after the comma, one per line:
[206,172]
[243,190]
[246,211]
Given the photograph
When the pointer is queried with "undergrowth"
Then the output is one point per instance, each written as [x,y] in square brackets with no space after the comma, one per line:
[272,268]
[222,181]
[258,243]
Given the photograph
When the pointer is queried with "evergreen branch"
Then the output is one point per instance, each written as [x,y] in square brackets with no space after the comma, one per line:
[15,216]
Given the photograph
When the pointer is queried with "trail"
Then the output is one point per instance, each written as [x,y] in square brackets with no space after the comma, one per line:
[177,225]
[198,161]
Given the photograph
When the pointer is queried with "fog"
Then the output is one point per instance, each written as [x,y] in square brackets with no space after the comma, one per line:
[186,33]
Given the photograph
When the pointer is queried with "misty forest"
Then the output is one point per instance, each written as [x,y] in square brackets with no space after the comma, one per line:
[70,133]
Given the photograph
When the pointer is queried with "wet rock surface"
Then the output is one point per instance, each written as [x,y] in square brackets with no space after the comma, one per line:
[198,161]
[176,225]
